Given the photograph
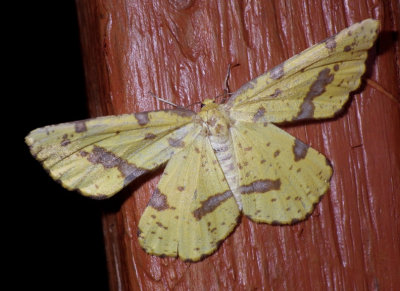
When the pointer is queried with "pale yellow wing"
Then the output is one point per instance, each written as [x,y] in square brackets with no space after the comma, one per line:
[100,156]
[280,177]
[192,210]
[311,85]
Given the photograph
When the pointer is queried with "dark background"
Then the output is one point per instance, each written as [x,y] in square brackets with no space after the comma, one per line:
[54,235]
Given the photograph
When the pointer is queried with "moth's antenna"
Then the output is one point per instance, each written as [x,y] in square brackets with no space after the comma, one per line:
[163,100]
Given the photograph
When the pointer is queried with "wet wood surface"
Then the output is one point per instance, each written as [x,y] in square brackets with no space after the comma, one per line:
[180,50]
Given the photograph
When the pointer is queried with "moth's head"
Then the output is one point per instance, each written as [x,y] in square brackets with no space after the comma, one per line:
[208,104]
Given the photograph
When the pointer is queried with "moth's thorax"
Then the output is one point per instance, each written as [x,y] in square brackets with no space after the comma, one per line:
[216,120]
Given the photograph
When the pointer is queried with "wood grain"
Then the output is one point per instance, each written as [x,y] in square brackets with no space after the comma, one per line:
[180,50]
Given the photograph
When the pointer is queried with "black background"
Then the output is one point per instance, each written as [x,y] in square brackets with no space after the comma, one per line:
[54,237]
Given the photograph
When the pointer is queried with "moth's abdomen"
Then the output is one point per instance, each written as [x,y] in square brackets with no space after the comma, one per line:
[220,138]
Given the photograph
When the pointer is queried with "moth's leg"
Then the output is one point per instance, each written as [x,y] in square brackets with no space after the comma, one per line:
[227,90]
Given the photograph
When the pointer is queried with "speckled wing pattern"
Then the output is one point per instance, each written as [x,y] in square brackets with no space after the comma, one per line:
[99,156]
[192,210]
[227,159]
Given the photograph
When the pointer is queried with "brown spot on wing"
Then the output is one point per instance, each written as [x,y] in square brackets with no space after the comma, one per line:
[108,160]
[158,201]
[142,117]
[162,226]
[211,204]
[336,67]
[347,48]
[276,93]
[176,143]
[277,72]
[259,114]
[300,150]
[80,126]
[261,186]
[317,88]
[150,136]
[330,43]
[65,140]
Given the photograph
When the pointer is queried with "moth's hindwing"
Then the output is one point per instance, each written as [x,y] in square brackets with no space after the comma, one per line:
[192,210]
[281,178]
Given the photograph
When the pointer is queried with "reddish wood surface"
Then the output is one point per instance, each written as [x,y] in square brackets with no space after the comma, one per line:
[180,50]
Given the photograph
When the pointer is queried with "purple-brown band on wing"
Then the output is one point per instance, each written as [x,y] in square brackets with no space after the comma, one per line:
[261,186]
[318,87]
[108,160]
[176,143]
[211,203]
[259,114]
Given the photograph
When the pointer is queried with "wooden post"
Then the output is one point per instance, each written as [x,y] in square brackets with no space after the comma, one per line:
[180,50]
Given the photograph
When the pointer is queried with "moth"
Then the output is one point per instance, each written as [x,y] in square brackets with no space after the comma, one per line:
[226,160]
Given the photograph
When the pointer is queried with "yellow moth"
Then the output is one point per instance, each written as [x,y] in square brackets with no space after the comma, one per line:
[226,160]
